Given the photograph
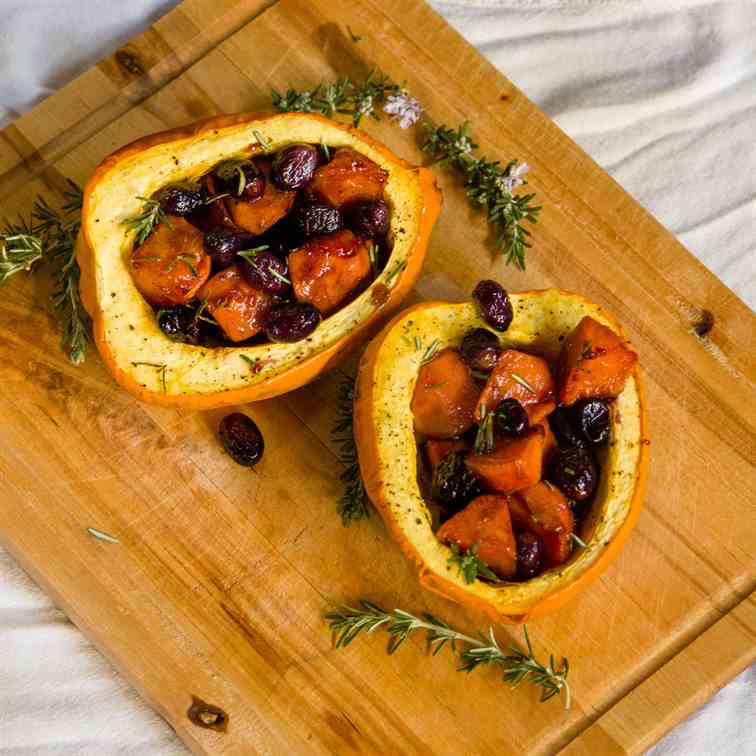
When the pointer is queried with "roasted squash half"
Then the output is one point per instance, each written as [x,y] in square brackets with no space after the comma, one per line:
[158,370]
[386,445]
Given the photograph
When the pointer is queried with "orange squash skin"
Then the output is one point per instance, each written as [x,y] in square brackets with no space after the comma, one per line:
[306,370]
[366,438]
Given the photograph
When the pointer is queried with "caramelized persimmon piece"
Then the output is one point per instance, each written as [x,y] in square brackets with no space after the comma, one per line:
[485,520]
[513,464]
[239,309]
[436,450]
[172,264]
[325,270]
[521,376]
[445,396]
[257,216]
[349,177]
[544,511]
[595,363]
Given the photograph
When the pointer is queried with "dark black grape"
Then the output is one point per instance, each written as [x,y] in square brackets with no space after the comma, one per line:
[574,473]
[293,167]
[453,485]
[265,271]
[242,439]
[510,418]
[481,349]
[371,219]
[292,322]
[223,243]
[494,305]
[593,419]
[180,199]
[529,555]
[315,218]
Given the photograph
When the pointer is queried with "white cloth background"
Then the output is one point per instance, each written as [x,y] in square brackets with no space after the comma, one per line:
[662,94]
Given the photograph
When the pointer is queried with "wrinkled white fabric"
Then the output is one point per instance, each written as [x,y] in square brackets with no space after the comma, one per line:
[662,94]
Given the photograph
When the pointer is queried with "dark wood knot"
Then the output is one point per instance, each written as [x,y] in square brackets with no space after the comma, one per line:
[704,324]
[129,62]
[206,715]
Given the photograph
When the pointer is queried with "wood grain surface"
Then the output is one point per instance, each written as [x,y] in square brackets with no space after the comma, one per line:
[219,583]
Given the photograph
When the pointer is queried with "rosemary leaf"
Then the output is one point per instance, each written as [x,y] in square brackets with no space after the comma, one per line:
[517,378]
[100,536]
[353,504]
[578,541]
[518,666]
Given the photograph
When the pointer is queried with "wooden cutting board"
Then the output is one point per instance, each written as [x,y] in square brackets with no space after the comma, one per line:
[218,586]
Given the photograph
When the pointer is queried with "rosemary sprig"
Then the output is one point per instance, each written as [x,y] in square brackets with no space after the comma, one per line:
[57,230]
[353,504]
[343,96]
[469,565]
[20,249]
[488,183]
[150,216]
[518,665]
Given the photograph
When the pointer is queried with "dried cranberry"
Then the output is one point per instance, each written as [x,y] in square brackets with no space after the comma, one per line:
[293,167]
[265,271]
[223,243]
[314,218]
[574,473]
[242,439]
[481,349]
[180,199]
[529,555]
[292,322]
[370,219]
[494,305]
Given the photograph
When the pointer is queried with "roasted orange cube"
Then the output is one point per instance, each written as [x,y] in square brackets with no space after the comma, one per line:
[172,263]
[326,270]
[521,376]
[485,520]
[436,450]
[257,216]
[238,308]
[348,178]
[513,464]
[595,363]
[543,510]
[445,396]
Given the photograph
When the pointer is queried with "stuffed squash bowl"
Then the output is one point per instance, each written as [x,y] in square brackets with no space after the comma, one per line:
[151,290]
[509,501]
